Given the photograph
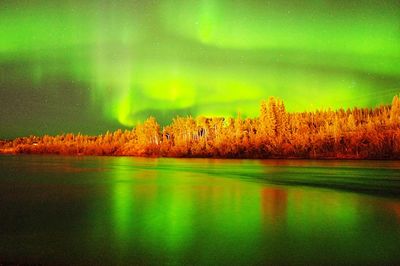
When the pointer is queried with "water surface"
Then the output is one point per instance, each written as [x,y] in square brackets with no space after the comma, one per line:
[109,210]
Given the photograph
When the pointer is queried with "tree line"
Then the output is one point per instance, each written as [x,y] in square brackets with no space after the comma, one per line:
[358,133]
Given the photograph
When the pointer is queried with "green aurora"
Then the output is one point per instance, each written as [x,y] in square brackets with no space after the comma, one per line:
[90,66]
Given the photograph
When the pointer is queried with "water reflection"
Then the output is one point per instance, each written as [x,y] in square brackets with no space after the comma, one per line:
[274,206]
[395,208]
[171,211]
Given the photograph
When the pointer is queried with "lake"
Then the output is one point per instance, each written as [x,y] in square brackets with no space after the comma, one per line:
[144,211]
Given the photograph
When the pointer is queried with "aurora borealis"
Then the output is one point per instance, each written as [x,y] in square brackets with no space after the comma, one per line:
[90,66]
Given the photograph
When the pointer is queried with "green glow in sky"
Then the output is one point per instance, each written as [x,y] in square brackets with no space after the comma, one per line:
[123,61]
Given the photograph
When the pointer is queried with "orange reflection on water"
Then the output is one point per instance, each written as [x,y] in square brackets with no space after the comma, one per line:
[273,205]
[395,207]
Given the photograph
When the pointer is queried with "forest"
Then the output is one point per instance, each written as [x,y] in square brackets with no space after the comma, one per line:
[357,133]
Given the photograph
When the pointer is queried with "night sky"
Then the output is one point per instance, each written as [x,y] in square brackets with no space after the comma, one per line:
[93,66]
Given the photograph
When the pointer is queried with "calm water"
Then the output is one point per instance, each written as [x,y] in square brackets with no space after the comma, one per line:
[106,210]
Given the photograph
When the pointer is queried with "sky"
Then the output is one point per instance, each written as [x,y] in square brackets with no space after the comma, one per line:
[92,66]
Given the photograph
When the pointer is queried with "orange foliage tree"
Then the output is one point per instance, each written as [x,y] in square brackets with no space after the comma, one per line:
[353,133]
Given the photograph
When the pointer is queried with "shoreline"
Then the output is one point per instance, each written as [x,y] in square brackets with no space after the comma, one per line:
[12,151]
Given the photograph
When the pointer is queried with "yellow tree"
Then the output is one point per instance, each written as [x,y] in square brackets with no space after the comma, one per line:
[148,137]
[395,111]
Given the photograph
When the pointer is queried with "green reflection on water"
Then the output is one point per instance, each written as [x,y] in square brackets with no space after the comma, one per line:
[123,209]
[146,204]
[172,207]
[196,211]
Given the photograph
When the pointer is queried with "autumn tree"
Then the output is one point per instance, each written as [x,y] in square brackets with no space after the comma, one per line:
[345,133]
